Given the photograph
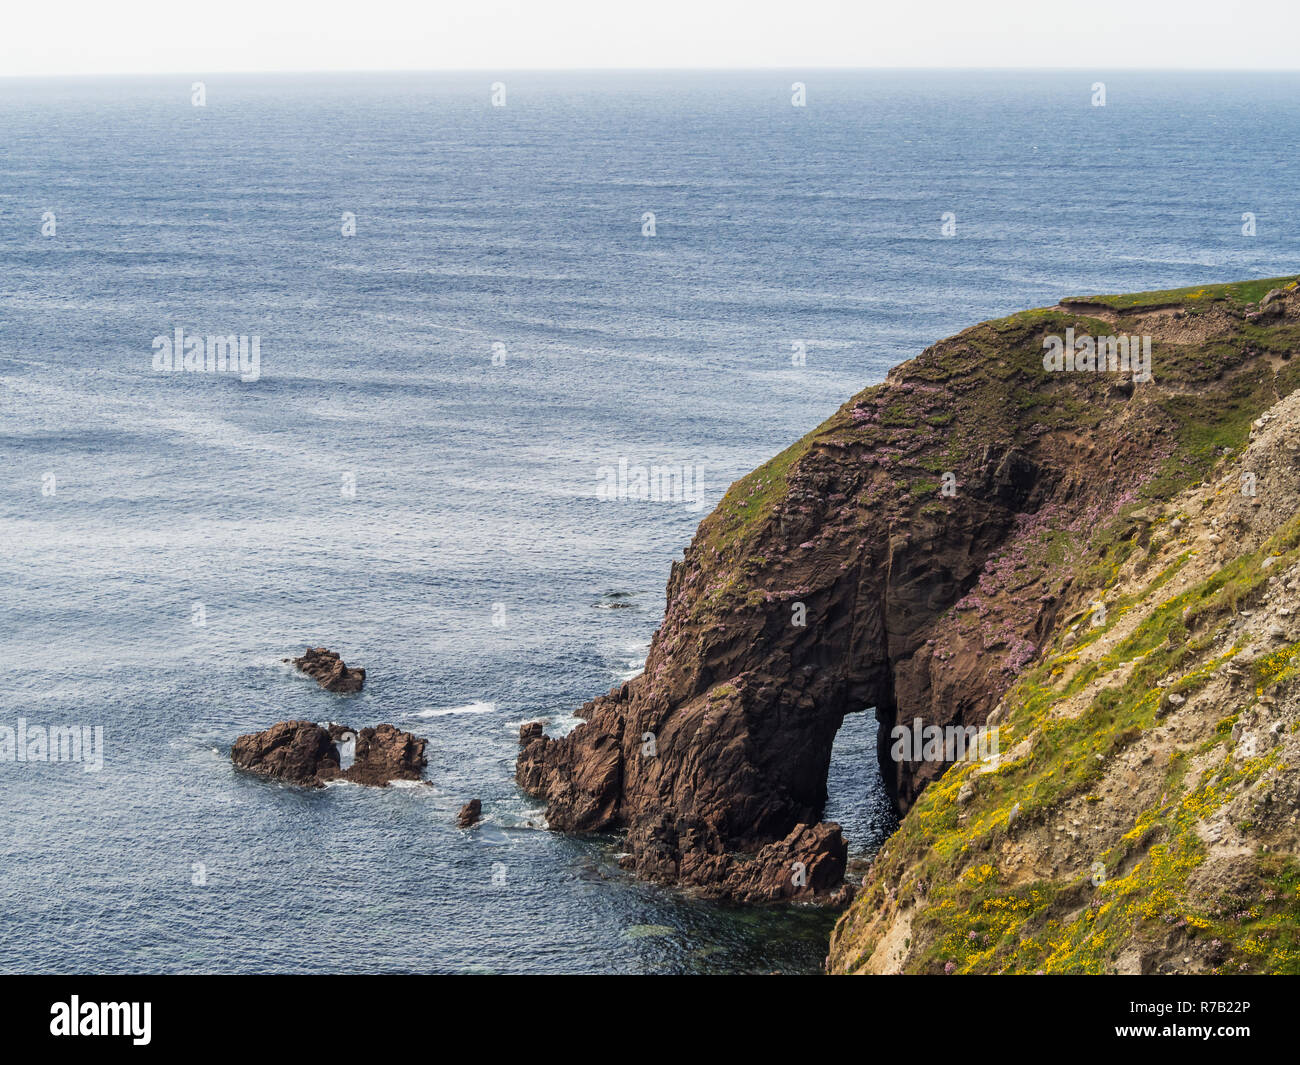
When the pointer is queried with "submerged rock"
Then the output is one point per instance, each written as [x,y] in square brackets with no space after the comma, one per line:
[308,754]
[329,671]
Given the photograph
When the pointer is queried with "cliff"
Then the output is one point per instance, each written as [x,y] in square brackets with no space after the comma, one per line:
[917,553]
[1141,813]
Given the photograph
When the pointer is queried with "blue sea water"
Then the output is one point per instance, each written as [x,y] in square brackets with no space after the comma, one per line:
[136,502]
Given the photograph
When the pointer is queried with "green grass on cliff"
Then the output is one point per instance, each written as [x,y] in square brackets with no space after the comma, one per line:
[968,918]
[986,386]
[1238,294]
[751,499]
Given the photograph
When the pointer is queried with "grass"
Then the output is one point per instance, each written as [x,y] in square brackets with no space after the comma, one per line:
[969,919]
[1237,294]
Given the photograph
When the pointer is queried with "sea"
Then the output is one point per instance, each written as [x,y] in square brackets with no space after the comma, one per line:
[465,299]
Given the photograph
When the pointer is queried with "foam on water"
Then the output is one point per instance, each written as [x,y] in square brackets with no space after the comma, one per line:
[477,707]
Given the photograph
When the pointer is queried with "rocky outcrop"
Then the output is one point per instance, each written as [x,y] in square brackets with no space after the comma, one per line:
[304,753]
[292,751]
[383,754]
[470,813]
[808,863]
[910,555]
[328,670]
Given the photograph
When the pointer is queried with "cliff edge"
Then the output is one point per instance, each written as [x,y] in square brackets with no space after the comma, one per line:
[915,554]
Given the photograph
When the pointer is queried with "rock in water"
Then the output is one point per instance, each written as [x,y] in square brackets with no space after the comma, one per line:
[470,813]
[383,754]
[302,752]
[294,751]
[808,863]
[329,671]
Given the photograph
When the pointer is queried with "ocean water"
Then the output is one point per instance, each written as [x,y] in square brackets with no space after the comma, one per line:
[388,490]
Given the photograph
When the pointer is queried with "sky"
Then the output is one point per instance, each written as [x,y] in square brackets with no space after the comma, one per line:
[186,36]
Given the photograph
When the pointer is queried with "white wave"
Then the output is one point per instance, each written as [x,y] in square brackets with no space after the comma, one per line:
[556,725]
[477,707]
[342,782]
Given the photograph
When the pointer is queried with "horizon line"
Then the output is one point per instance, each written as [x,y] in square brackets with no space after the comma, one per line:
[1056,68]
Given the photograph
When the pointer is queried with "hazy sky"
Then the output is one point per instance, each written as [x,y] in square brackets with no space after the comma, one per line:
[189,36]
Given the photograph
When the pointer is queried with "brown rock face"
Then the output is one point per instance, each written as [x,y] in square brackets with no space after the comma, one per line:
[328,670]
[806,864]
[302,752]
[910,555]
[924,904]
[294,751]
[383,754]
[470,813]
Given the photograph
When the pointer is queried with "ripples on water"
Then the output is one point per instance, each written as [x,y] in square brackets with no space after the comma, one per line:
[475,484]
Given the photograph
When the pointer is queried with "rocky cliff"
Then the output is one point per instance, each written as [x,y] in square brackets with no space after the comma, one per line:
[916,553]
[1141,813]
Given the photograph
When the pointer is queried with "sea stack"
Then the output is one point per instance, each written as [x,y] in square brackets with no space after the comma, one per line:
[470,813]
